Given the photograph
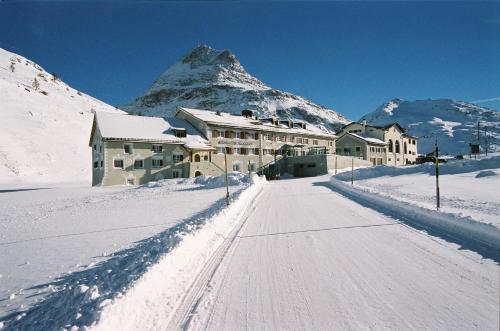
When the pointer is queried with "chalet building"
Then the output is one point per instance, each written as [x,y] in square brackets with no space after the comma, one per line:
[378,144]
[132,150]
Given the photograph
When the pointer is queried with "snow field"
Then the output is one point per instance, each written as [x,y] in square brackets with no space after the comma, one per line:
[172,277]
[67,251]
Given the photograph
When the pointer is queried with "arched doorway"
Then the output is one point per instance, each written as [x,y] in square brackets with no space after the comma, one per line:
[197,173]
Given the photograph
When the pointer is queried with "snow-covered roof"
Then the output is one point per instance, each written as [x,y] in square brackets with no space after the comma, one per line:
[369,140]
[226,119]
[144,128]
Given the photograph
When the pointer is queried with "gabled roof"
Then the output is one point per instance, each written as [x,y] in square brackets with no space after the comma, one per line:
[383,127]
[235,121]
[143,128]
[368,140]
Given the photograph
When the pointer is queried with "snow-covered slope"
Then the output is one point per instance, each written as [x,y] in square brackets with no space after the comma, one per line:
[44,125]
[453,122]
[212,79]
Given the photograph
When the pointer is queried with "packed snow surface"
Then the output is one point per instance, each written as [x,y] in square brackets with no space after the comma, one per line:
[453,123]
[306,257]
[44,126]
[85,245]
[206,78]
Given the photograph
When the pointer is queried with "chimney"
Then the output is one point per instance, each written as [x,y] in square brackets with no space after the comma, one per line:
[247,113]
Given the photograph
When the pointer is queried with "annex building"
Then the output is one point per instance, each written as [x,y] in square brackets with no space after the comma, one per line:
[132,150]
[387,144]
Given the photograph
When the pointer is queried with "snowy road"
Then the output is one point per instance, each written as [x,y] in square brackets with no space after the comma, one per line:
[308,258]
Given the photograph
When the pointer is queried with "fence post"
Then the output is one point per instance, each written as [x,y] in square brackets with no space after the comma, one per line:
[227,183]
[438,202]
[352,171]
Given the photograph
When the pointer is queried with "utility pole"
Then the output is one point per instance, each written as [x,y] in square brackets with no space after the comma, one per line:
[352,171]
[227,182]
[485,141]
[436,154]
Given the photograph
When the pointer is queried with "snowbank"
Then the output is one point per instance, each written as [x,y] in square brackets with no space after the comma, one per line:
[166,282]
[451,167]
[464,228]
[209,182]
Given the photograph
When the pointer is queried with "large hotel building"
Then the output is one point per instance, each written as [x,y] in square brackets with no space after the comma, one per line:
[133,150]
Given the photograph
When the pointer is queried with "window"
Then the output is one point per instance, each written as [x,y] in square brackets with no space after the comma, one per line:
[299,140]
[330,143]
[229,150]
[268,136]
[306,141]
[100,148]
[215,134]
[237,135]
[118,164]
[237,150]
[405,148]
[229,134]
[127,149]
[236,166]
[397,146]
[180,133]
[197,158]
[413,142]
[102,164]
[390,146]
[358,149]
[176,173]
[205,158]
[157,148]
[220,150]
[315,141]
[138,164]
[256,151]
[157,163]
[178,158]
[96,164]
[244,151]
[95,147]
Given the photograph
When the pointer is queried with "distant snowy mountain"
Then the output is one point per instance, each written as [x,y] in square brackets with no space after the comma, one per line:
[44,125]
[212,79]
[454,123]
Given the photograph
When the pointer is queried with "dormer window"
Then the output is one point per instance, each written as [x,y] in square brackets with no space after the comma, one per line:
[179,132]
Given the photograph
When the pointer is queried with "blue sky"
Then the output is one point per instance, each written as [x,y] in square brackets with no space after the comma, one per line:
[351,56]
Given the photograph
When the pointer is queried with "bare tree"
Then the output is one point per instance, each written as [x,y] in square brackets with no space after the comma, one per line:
[35,84]
[12,66]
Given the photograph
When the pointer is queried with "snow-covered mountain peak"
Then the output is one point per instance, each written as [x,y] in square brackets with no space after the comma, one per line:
[452,122]
[213,79]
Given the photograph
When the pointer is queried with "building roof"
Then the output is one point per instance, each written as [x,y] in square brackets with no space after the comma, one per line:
[230,120]
[143,128]
[369,140]
[383,127]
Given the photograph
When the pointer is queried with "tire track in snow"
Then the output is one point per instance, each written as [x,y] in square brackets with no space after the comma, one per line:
[187,309]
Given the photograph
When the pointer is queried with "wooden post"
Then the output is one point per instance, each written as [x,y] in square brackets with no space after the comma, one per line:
[436,154]
[227,182]
[352,171]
